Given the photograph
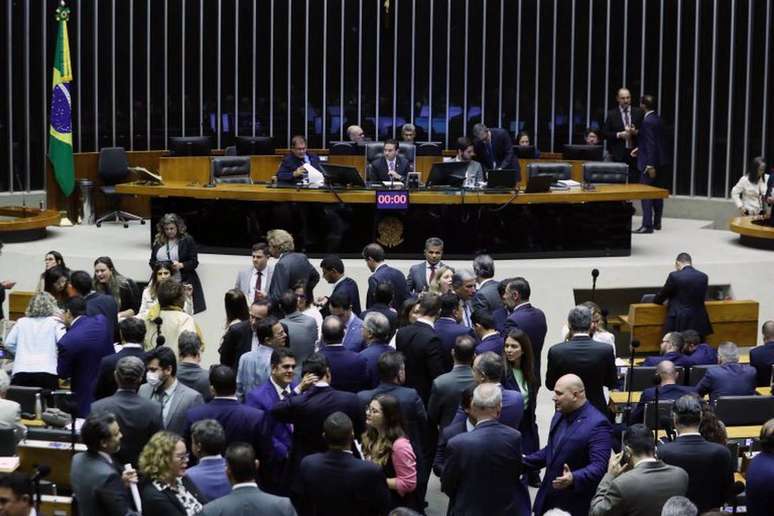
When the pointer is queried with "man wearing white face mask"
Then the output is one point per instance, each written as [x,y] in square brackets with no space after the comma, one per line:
[162,385]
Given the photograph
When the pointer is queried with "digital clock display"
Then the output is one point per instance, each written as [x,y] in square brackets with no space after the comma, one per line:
[392,200]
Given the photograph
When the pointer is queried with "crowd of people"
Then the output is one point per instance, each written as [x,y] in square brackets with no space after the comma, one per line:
[319,405]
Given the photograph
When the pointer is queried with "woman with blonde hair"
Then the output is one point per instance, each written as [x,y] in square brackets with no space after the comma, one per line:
[441,282]
[598,330]
[165,490]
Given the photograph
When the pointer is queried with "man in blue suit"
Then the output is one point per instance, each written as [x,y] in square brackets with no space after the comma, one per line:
[762,357]
[96,303]
[377,333]
[667,389]
[494,149]
[292,170]
[382,301]
[672,346]
[760,475]
[459,426]
[489,338]
[486,460]
[341,308]
[448,326]
[652,159]
[349,371]
[686,291]
[731,378]
[529,319]
[391,166]
[576,454]
[420,274]
[373,254]
[208,442]
[696,351]
[81,349]
[333,272]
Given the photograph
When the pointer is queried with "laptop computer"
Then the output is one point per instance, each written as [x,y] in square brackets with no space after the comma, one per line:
[501,178]
[539,184]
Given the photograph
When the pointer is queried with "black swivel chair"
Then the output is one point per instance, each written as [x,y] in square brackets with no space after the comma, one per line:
[744,410]
[7,442]
[25,397]
[697,372]
[373,151]
[428,148]
[557,171]
[605,172]
[114,169]
[231,169]
[643,377]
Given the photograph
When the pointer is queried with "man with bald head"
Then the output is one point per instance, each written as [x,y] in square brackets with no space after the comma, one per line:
[620,130]
[577,452]
[762,357]
[668,389]
[356,134]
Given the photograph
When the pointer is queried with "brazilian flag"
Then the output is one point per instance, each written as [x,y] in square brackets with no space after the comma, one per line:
[60,140]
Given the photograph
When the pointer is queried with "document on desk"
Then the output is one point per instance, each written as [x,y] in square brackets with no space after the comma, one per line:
[315,176]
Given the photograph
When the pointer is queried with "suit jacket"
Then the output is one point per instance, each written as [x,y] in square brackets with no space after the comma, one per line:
[704,354]
[188,255]
[105,305]
[759,478]
[237,341]
[289,165]
[613,125]
[728,380]
[302,335]
[761,358]
[585,448]
[165,503]
[349,371]
[531,321]
[335,483]
[264,397]
[686,291]
[353,336]
[348,287]
[448,330]
[371,354]
[395,277]
[249,500]
[446,394]
[667,392]
[390,313]
[416,279]
[291,268]
[710,469]
[487,297]
[512,411]
[307,413]
[485,460]
[209,475]
[80,352]
[90,472]
[245,280]
[453,429]
[421,348]
[106,381]
[642,491]
[379,169]
[196,377]
[494,342]
[138,418]
[651,145]
[502,155]
[593,361]
[676,358]
[182,401]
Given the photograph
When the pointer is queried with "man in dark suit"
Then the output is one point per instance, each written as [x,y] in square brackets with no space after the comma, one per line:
[373,254]
[464,285]
[576,454]
[506,306]
[352,325]
[81,349]
[760,475]
[459,426]
[488,367]
[307,412]
[448,326]
[302,329]
[420,274]
[488,337]
[382,301]
[291,267]
[686,291]
[421,347]
[333,272]
[292,170]
[494,149]
[132,330]
[138,418]
[592,361]
[189,372]
[334,482]
[377,332]
[762,357]
[710,466]
[349,371]
[672,346]
[526,317]
[208,442]
[696,351]
[486,298]
[96,303]
[731,378]
[668,389]
[620,130]
[651,161]
[485,460]
[391,166]
[447,388]
[239,338]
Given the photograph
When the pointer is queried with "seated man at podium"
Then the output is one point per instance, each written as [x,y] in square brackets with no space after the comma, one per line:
[292,169]
[474,174]
[391,166]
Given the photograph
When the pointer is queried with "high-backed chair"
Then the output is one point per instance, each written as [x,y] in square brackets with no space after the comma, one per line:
[428,148]
[231,169]
[744,410]
[642,377]
[113,168]
[373,151]
[408,151]
[7,442]
[25,396]
[605,172]
[664,414]
[344,148]
[697,372]
[556,170]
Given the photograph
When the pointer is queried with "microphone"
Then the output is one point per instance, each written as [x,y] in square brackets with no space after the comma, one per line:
[594,276]
[595,273]
[40,471]
[158,321]
[160,339]
[635,344]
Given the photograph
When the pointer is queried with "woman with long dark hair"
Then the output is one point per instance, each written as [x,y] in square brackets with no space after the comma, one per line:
[107,280]
[162,271]
[55,281]
[750,191]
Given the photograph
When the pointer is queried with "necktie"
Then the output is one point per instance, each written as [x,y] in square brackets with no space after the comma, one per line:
[432,271]
[491,154]
[162,397]
[392,166]
[285,394]
[627,123]
[258,286]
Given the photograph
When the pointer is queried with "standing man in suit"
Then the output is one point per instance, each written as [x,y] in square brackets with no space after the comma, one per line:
[208,441]
[640,485]
[457,427]
[620,131]
[488,337]
[175,398]
[762,357]
[373,254]
[332,268]
[96,303]
[139,418]
[292,169]
[651,162]
[449,328]
[731,378]
[391,166]
[334,482]
[81,349]
[447,388]
[254,367]
[302,329]
[420,274]
[377,332]
[132,330]
[349,371]
[421,347]
[464,285]
[382,301]
[760,475]
[576,454]
[291,267]
[592,361]
[485,460]
[254,281]
[341,308]
[526,317]
[245,496]
[189,372]
[494,149]
[668,389]
[710,466]
[686,291]
[486,298]
[488,367]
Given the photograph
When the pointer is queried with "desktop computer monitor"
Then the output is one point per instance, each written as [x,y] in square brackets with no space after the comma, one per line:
[450,173]
[525,151]
[583,152]
[189,146]
[254,146]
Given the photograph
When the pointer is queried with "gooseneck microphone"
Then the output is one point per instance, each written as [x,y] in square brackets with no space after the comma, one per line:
[594,276]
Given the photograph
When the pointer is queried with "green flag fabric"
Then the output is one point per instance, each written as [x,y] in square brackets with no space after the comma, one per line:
[60,139]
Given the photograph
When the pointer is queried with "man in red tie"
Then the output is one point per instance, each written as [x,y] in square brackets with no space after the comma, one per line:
[420,274]
[254,281]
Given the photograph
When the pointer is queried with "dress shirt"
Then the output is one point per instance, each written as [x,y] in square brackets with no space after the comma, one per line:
[626,118]
[469,426]
[281,392]
[244,484]
[254,279]
[425,321]
[165,397]
[466,313]
[564,424]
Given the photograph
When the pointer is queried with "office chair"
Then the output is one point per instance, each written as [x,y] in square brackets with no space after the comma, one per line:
[557,170]
[231,169]
[605,172]
[113,169]
[744,410]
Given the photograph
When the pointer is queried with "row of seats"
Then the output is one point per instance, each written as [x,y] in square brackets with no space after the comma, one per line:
[731,410]
[643,377]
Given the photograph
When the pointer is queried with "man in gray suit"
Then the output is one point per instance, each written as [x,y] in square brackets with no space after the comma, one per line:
[487,297]
[641,484]
[137,417]
[464,285]
[291,267]
[420,274]
[448,388]
[246,497]
[189,372]
[302,329]
[254,281]
[162,385]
